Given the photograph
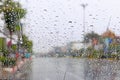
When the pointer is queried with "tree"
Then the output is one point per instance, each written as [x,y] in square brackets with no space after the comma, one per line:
[13,13]
[90,36]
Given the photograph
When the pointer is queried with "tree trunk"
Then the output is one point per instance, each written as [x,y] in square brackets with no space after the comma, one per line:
[10,42]
[11,36]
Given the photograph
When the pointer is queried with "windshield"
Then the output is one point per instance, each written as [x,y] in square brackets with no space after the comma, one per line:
[59,39]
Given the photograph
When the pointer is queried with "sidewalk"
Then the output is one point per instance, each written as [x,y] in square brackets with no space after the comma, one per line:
[6,72]
[16,67]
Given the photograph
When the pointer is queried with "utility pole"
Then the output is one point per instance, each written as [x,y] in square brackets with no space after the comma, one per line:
[84,32]
[20,33]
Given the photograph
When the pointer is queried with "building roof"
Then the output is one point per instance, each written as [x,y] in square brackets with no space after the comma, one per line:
[108,33]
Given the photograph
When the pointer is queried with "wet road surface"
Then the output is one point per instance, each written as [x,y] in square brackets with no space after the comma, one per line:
[74,69]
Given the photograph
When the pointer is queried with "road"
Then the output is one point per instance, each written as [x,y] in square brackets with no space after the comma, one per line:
[57,69]
[74,69]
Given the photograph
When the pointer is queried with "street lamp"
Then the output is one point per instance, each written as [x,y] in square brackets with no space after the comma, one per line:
[84,7]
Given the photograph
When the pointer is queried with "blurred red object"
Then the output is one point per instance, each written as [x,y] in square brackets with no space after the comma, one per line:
[9,43]
[17,55]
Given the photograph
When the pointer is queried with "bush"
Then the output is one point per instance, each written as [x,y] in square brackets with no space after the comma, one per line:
[7,61]
[5,53]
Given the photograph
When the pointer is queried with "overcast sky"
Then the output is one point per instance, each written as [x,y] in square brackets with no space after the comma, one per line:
[55,22]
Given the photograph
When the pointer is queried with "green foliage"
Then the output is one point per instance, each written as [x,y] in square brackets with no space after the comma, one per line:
[29,46]
[14,47]
[13,12]
[90,49]
[95,53]
[92,53]
[27,43]
[17,28]
[90,36]
[7,61]
[5,53]
[113,47]
[2,44]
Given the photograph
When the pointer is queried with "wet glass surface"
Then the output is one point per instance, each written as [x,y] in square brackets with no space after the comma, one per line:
[61,39]
[74,69]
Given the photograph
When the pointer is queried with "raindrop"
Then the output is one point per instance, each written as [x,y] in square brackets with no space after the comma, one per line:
[117,17]
[45,10]
[94,18]
[90,14]
[70,22]
[71,26]
[91,25]
[51,32]
[56,20]
[75,22]
[56,16]
[55,24]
